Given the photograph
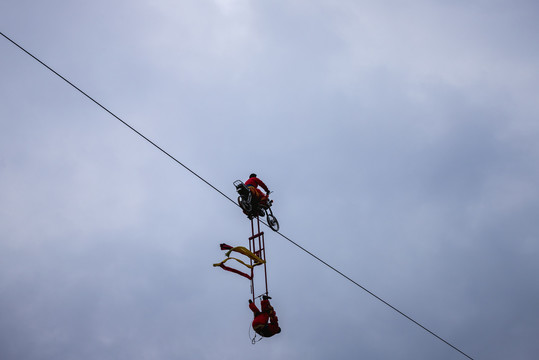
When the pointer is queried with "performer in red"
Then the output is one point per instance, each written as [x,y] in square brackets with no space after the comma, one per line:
[260,322]
[253,183]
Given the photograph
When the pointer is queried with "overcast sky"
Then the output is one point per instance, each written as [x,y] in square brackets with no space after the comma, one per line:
[400,138]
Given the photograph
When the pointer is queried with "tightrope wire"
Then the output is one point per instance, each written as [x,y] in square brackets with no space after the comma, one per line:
[234,202]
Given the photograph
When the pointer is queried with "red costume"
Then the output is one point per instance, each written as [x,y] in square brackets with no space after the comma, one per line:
[260,322]
[253,183]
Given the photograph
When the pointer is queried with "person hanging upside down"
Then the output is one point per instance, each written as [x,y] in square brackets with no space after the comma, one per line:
[253,183]
[265,322]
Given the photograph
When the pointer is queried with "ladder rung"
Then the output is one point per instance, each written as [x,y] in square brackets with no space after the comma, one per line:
[256,235]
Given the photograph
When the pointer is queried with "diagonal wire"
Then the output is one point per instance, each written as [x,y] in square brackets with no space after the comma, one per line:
[375,296]
[117,117]
[230,199]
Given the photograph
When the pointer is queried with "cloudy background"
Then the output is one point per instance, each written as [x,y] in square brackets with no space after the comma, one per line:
[401,139]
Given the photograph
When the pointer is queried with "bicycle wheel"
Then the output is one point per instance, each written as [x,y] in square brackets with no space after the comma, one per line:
[272,222]
[245,205]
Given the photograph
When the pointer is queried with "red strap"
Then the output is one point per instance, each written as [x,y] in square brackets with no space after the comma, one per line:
[235,271]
